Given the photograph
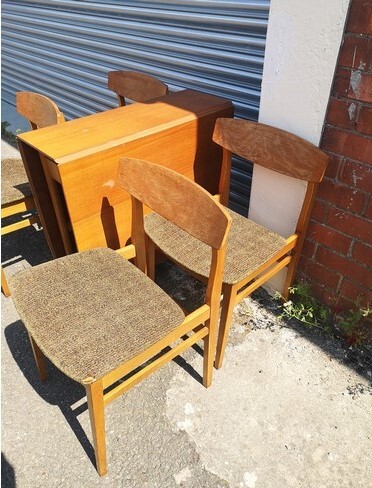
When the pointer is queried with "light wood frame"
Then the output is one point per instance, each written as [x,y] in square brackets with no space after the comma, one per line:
[279,151]
[41,112]
[159,184]
[285,153]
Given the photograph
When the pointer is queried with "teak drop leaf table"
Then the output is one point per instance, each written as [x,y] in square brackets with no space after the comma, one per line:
[72,167]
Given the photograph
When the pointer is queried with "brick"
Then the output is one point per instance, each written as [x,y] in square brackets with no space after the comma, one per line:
[342,196]
[354,292]
[356,53]
[320,211]
[364,122]
[347,144]
[342,113]
[308,249]
[352,83]
[343,266]
[363,253]
[342,304]
[320,292]
[356,175]
[334,166]
[324,295]
[341,82]
[360,86]
[350,224]
[360,17]
[318,273]
[368,212]
[329,237]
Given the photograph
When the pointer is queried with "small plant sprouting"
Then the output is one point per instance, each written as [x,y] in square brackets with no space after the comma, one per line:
[348,322]
[6,134]
[305,308]
[309,311]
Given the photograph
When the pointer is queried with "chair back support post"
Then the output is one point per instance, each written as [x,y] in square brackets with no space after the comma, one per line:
[214,285]
[225,176]
[138,234]
[302,224]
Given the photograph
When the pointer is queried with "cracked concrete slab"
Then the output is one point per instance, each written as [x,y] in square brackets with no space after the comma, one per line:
[280,413]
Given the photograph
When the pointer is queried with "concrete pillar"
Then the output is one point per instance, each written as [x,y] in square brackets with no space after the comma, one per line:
[302,46]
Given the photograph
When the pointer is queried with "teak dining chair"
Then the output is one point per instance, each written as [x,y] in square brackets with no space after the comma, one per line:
[135,86]
[16,195]
[98,317]
[254,253]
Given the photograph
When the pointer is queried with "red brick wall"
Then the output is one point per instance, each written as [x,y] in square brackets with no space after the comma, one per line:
[337,255]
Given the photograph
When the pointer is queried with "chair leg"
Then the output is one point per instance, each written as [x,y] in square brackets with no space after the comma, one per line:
[4,284]
[208,356]
[291,271]
[97,422]
[39,359]
[228,303]
[151,251]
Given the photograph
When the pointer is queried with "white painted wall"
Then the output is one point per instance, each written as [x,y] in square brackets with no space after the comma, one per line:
[302,46]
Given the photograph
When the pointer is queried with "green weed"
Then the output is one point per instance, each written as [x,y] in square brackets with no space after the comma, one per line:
[306,309]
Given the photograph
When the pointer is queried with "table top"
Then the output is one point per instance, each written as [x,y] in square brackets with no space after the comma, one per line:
[86,135]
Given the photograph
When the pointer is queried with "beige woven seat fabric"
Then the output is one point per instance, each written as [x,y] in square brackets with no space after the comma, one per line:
[248,246]
[14,182]
[92,311]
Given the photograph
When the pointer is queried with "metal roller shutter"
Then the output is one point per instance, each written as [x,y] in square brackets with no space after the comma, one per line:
[64,49]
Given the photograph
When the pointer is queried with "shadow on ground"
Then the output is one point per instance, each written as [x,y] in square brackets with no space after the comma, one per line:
[7,473]
[58,390]
[30,245]
[27,244]
[190,292]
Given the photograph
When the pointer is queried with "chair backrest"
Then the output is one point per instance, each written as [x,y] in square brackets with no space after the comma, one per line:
[177,199]
[38,109]
[274,149]
[135,86]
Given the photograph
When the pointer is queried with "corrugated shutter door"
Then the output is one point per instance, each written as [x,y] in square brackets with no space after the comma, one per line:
[64,49]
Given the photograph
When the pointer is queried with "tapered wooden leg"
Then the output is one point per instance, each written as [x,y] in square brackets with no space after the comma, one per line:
[150,259]
[291,271]
[4,284]
[97,421]
[39,359]
[228,303]
[208,356]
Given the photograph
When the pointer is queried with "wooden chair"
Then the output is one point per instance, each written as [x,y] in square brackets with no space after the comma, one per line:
[16,195]
[98,317]
[254,254]
[135,86]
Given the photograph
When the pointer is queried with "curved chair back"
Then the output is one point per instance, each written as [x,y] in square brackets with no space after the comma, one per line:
[169,193]
[135,86]
[273,148]
[38,109]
